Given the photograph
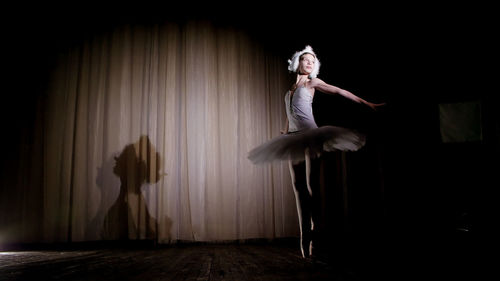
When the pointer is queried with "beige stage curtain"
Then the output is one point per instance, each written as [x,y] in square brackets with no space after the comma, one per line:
[144,134]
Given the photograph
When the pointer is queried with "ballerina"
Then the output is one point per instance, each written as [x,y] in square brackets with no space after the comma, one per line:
[302,142]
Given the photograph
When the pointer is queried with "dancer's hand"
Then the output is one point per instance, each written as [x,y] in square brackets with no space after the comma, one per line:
[375,106]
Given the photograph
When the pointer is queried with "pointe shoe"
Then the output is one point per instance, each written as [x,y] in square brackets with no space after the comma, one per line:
[306,249]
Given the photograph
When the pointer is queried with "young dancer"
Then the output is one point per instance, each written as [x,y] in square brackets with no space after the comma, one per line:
[302,142]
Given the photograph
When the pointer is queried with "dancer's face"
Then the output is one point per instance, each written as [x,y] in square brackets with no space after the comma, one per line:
[306,65]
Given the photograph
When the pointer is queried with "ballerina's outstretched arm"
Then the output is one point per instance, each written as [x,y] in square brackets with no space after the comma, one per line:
[330,89]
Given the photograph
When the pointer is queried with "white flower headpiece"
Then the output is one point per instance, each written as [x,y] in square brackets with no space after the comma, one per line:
[293,64]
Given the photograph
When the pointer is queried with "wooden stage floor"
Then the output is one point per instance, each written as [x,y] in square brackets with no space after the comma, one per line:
[228,261]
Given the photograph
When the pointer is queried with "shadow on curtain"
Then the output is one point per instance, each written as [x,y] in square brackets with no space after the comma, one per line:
[136,166]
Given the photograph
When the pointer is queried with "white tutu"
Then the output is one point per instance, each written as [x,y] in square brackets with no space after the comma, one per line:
[293,146]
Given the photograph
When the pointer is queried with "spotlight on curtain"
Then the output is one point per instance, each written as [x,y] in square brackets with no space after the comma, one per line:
[143,133]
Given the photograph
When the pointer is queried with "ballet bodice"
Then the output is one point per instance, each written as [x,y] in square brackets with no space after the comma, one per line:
[299,110]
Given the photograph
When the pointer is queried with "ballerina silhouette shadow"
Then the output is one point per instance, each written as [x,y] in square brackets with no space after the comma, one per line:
[129,217]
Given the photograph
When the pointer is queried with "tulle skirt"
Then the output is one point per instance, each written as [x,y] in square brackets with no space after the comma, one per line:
[293,146]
